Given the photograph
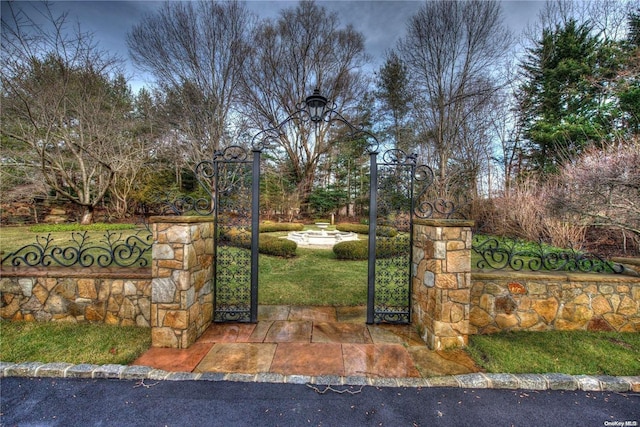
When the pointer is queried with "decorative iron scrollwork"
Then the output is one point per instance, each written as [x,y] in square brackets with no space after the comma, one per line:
[189,205]
[392,290]
[232,153]
[111,250]
[393,237]
[265,138]
[500,254]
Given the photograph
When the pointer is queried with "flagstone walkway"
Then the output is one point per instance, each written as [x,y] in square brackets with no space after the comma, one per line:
[314,341]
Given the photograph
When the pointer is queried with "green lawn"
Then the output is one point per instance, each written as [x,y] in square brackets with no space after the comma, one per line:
[568,352]
[313,277]
[72,342]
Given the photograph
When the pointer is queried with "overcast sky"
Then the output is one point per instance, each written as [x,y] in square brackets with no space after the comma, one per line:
[381,22]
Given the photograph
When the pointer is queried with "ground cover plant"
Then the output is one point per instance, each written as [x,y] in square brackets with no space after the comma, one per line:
[72,342]
[568,352]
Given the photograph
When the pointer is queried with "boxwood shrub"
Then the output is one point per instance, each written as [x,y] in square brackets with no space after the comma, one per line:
[269,245]
[359,249]
[381,230]
[270,226]
[284,248]
[353,250]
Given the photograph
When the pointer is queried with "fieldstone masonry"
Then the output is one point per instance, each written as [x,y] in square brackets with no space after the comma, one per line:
[441,281]
[182,274]
[116,297]
[554,301]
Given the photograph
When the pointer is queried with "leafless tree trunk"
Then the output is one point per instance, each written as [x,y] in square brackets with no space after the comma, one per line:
[452,50]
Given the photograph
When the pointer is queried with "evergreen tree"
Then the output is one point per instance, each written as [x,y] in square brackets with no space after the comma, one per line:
[629,85]
[395,98]
[561,102]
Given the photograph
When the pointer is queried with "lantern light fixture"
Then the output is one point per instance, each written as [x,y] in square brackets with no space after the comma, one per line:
[316,104]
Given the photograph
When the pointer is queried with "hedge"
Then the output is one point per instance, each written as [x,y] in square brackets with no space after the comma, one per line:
[269,226]
[359,249]
[381,230]
[353,250]
[268,245]
[284,248]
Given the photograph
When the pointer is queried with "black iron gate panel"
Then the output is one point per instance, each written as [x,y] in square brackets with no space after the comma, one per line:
[390,237]
[236,177]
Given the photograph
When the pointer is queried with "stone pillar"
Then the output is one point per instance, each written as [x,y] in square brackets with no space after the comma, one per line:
[182,280]
[441,281]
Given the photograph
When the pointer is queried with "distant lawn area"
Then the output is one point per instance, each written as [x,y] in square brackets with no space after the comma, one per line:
[313,277]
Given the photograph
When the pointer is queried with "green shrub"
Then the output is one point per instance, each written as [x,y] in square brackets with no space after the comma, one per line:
[352,228]
[381,230]
[284,248]
[352,250]
[386,231]
[359,249]
[269,245]
[98,226]
[269,226]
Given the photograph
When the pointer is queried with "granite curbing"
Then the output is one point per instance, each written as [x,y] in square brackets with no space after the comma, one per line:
[549,381]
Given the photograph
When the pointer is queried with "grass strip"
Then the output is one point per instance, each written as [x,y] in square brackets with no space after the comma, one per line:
[72,342]
[567,352]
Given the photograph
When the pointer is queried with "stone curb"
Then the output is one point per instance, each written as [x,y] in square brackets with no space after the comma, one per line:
[479,380]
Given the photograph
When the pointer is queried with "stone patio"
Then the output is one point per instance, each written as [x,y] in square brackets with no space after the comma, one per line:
[313,341]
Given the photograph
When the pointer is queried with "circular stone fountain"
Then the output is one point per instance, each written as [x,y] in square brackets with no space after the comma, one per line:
[324,238]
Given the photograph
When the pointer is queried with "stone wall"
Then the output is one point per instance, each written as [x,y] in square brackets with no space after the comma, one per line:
[441,281]
[182,287]
[113,296]
[504,301]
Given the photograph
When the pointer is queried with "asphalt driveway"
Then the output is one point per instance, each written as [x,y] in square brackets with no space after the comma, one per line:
[102,402]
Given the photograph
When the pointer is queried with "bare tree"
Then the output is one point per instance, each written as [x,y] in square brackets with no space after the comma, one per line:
[196,52]
[603,187]
[304,49]
[65,101]
[607,17]
[452,50]
[506,128]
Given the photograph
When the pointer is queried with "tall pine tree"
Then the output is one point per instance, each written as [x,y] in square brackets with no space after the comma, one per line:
[560,98]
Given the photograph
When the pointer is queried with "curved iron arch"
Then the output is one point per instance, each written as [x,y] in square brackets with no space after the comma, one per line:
[261,140]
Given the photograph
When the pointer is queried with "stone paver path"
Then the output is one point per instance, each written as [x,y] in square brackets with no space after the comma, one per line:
[311,341]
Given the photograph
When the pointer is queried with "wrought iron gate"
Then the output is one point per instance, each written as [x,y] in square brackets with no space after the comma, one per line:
[395,178]
[390,237]
[236,180]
